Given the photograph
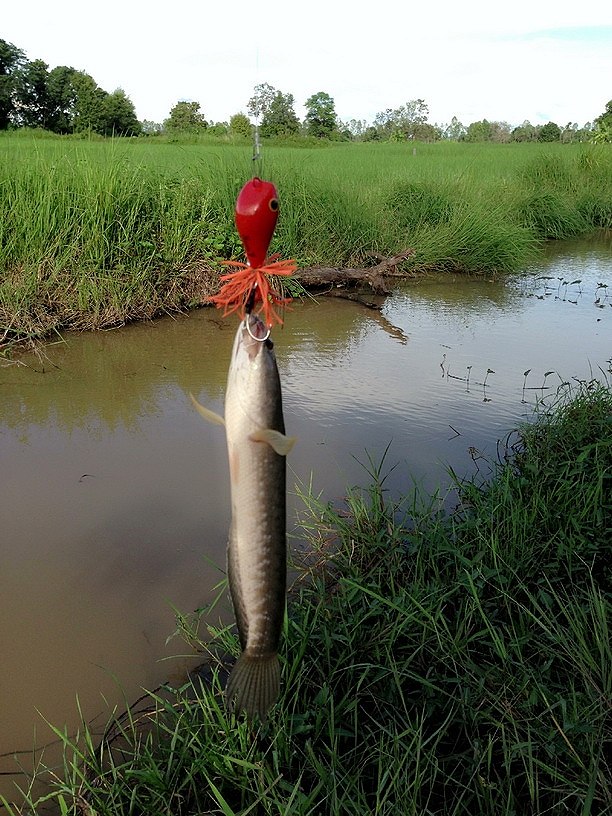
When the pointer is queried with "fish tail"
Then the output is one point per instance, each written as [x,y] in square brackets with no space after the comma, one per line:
[254,684]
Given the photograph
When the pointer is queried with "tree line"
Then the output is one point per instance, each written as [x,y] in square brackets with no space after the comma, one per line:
[62,100]
[67,100]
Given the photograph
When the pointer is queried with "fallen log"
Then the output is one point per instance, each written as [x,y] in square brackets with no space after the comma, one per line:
[328,277]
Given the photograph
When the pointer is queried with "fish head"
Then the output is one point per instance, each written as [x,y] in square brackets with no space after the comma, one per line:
[252,341]
[253,381]
[256,216]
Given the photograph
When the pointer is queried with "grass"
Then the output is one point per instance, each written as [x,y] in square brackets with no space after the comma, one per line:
[98,233]
[434,664]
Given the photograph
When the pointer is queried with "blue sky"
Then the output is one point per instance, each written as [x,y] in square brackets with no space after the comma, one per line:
[531,59]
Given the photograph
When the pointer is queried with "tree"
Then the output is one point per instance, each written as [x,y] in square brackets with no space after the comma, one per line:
[603,125]
[240,125]
[525,133]
[11,60]
[88,112]
[500,132]
[455,131]
[320,118]
[61,99]
[185,117]
[118,116]
[550,132]
[151,128]
[357,128]
[409,121]
[280,118]
[479,131]
[259,104]
[31,94]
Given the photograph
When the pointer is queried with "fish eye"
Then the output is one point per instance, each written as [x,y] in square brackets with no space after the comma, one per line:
[273,204]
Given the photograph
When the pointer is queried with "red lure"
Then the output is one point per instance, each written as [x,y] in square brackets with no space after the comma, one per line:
[256,215]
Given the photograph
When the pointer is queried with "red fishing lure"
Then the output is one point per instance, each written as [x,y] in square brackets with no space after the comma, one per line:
[256,215]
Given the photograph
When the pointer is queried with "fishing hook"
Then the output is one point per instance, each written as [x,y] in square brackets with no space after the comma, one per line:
[248,308]
[259,339]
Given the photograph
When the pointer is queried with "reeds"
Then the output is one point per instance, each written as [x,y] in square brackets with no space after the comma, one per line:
[442,665]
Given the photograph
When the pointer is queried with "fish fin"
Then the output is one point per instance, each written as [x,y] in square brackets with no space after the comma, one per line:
[233,572]
[209,415]
[253,685]
[280,443]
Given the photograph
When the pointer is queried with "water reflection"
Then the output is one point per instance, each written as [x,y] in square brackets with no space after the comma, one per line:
[114,495]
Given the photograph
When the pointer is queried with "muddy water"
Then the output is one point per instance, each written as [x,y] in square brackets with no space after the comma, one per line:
[114,499]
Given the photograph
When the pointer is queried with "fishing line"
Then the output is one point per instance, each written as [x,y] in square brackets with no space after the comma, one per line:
[257,159]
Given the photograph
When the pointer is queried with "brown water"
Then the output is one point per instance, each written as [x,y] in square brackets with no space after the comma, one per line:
[114,493]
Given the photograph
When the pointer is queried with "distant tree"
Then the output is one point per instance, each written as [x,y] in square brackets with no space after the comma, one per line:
[61,99]
[320,118]
[280,118]
[88,112]
[357,128]
[409,121]
[240,125]
[118,116]
[412,119]
[218,129]
[185,117]
[259,104]
[426,132]
[11,60]
[479,131]
[455,131]
[151,128]
[31,96]
[500,132]
[603,125]
[550,132]
[524,133]
[371,134]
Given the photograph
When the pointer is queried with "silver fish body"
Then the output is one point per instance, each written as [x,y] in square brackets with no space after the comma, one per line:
[257,447]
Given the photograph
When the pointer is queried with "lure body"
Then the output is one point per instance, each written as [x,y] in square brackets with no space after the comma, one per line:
[256,216]
[251,287]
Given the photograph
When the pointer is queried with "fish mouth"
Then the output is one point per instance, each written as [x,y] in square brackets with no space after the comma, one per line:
[257,330]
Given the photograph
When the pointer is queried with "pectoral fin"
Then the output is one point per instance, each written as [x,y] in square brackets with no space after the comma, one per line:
[280,443]
[209,415]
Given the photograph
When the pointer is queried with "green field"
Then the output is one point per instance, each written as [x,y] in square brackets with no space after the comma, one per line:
[95,233]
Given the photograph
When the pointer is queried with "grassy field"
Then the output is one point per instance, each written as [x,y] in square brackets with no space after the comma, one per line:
[98,233]
[434,665]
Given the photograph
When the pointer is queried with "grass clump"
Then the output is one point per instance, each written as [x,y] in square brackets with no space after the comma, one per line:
[434,664]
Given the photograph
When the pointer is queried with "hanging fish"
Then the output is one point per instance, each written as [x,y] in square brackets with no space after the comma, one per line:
[257,449]
[256,215]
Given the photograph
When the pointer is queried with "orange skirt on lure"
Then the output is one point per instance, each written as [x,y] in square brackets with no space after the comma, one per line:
[256,215]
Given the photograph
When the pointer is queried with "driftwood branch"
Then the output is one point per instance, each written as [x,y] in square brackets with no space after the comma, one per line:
[325,277]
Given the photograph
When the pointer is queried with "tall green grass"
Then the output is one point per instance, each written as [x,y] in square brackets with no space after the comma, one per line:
[98,233]
[440,665]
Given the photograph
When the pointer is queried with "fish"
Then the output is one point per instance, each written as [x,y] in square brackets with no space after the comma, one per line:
[255,216]
[257,447]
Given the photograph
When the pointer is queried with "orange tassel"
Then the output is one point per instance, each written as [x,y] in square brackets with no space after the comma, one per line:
[239,285]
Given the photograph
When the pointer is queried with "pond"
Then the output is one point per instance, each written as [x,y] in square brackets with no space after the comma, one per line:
[114,504]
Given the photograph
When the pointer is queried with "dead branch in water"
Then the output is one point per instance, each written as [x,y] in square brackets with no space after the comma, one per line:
[323,277]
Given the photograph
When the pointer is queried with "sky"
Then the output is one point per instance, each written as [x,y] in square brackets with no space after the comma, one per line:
[541,60]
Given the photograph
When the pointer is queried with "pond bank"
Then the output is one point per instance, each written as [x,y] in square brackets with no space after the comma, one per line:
[448,664]
[100,234]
